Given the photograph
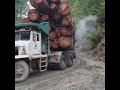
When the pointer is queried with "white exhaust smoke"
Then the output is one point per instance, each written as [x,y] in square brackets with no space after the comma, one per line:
[83,26]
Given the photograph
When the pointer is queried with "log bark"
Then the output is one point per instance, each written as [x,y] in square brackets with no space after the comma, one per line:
[52,35]
[37,3]
[55,19]
[61,31]
[53,6]
[65,41]
[45,18]
[54,44]
[33,15]
[25,20]
[64,8]
[67,20]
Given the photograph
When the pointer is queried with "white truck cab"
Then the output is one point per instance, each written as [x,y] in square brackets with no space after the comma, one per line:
[32,51]
[28,42]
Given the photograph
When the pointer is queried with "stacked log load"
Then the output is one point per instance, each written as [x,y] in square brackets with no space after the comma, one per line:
[58,15]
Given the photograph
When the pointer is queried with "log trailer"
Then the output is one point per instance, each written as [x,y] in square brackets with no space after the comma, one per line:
[32,51]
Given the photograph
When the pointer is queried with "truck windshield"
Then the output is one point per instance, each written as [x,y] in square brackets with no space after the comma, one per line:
[22,35]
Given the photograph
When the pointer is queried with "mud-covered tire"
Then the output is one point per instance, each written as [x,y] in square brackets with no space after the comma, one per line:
[25,71]
[69,61]
[63,63]
[74,54]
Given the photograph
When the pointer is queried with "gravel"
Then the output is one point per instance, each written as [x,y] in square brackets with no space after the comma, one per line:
[85,74]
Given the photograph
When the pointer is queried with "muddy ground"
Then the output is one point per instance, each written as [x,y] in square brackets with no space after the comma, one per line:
[85,74]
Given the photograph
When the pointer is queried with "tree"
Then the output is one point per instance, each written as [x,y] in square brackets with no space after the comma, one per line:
[81,8]
[21,8]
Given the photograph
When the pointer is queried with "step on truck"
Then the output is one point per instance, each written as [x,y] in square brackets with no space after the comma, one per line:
[32,51]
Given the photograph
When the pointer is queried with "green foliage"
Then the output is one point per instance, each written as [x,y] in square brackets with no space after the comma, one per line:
[83,8]
[94,36]
[80,8]
[21,8]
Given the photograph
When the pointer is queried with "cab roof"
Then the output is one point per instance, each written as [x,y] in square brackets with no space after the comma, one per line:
[44,26]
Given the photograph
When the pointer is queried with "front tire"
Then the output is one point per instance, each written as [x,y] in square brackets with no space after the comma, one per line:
[21,71]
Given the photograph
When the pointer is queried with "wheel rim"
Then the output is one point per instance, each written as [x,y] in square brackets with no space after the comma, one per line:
[19,71]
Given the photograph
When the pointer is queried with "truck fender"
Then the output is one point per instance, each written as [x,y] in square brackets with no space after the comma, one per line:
[24,58]
[21,56]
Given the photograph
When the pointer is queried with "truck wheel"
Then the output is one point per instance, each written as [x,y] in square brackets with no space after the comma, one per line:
[63,64]
[70,62]
[74,54]
[21,71]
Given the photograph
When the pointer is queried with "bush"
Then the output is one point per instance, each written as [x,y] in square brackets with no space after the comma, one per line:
[94,36]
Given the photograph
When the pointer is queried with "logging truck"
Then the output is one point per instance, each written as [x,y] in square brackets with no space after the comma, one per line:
[33,52]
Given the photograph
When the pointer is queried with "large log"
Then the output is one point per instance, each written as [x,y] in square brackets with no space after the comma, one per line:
[64,8]
[41,5]
[54,44]
[67,20]
[33,4]
[61,31]
[65,41]
[25,20]
[55,23]
[52,35]
[65,31]
[45,18]
[53,6]
[70,30]
[37,3]
[52,10]
[43,9]
[33,15]
[67,11]
[55,19]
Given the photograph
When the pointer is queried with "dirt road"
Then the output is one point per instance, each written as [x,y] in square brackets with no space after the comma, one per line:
[85,74]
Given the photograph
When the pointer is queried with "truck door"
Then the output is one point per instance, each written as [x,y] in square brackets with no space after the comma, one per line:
[36,43]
